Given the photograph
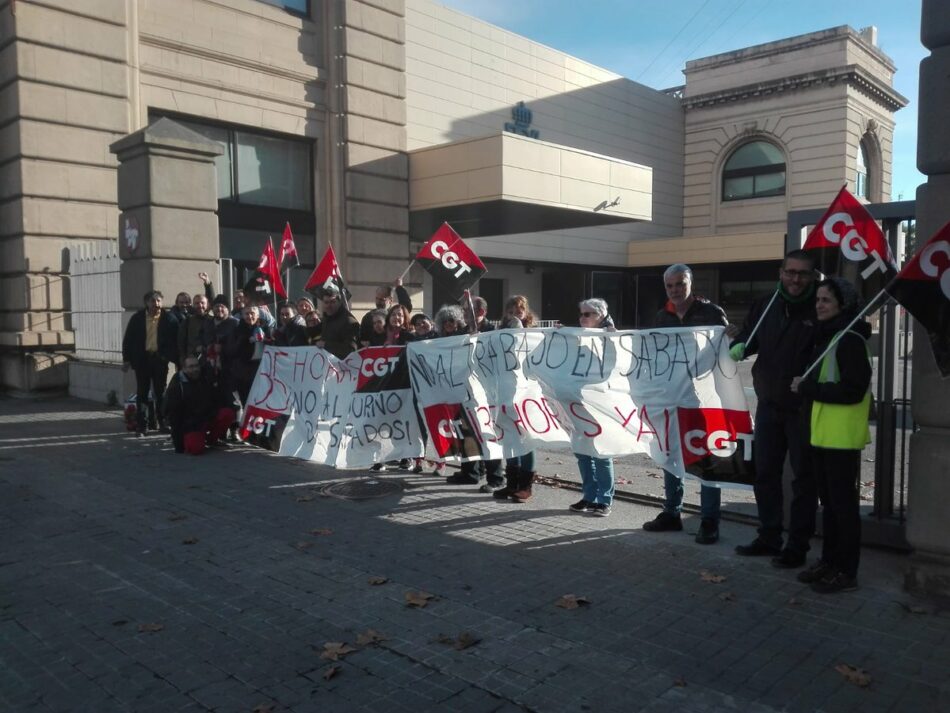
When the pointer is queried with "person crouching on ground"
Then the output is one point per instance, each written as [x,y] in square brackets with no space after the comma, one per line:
[597,474]
[837,398]
[197,409]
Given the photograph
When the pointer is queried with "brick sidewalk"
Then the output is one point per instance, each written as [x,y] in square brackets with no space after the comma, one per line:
[105,537]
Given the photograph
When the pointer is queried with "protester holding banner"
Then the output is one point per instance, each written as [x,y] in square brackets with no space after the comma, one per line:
[199,412]
[244,350]
[305,306]
[384,300]
[783,344]
[422,327]
[597,474]
[837,399]
[684,309]
[291,329]
[339,331]
[519,471]
[377,333]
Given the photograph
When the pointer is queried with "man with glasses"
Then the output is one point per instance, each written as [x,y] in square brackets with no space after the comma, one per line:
[339,332]
[783,346]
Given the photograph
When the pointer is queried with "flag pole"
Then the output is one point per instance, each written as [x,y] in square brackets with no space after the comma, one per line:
[471,305]
[406,271]
[764,312]
[837,338]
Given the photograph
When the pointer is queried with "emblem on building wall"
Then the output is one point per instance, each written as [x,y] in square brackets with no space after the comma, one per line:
[131,234]
[521,122]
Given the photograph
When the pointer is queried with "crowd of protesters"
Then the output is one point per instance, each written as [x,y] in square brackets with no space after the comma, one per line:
[820,421]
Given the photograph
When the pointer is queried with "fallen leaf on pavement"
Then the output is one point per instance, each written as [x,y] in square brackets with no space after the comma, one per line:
[376,581]
[571,601]
[176,517]
[322,531]
[150,628]
[708,576]
[369,637]
[727,597]
[418,599]
[303,545]
[465,640]
[622,481]
[190,541]
[853,674]
[912,608]
[331,672]
[335,650]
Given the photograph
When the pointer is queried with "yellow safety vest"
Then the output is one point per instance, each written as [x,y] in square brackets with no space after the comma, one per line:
[840,426]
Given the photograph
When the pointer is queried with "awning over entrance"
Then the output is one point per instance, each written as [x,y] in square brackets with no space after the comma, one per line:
[505,184]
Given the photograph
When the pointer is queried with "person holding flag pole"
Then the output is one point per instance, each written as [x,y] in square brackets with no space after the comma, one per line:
[287,257]
[837,402]
[780,331]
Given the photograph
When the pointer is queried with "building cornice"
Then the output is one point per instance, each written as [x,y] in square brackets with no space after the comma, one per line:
[852,75]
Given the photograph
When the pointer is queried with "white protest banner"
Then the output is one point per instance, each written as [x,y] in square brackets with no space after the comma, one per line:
[671,393]
[348,413]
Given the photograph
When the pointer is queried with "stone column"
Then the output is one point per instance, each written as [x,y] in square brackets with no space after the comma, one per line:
[367,130]
[928,529]
[168,228]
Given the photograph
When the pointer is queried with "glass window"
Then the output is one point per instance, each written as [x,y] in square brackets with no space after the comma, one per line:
[298,6]
[861,184]
[223,163]
[272,171]
[753,170]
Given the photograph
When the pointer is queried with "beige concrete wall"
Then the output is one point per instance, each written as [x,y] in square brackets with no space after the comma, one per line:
[464,76]
[64,91]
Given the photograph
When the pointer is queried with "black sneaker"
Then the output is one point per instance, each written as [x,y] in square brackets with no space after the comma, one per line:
[664,522]
[758,548]
[460,479]
[599,510]
[835,582]
[580,506]
[789,559]
[491,487]
[405,464]
[815,573]
[379,467]
[708,532]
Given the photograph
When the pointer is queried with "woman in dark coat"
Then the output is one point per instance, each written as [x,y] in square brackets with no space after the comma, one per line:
[244,350]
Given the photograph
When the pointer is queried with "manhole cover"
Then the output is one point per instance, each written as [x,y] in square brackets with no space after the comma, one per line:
[363,488]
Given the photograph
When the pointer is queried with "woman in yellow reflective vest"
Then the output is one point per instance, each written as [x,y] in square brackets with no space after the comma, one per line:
[837,399]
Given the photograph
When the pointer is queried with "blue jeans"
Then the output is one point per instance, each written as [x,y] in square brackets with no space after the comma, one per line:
[525,462]
[708,498]
[597,478]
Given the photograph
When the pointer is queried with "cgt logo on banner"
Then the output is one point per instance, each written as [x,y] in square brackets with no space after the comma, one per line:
[452,432]
[262,423]
[715,442]
[382,368]
[450,261]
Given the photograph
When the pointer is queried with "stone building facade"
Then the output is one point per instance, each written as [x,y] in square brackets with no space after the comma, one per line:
[322,109]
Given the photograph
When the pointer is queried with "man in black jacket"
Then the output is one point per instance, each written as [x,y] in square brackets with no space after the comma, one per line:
[339,331]
[198,410]
[150,342]
[684,309]
[783,345]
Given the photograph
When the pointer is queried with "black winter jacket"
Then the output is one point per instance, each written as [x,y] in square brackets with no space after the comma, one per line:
[702,313]
[783,346]
[133,342]
[854,366]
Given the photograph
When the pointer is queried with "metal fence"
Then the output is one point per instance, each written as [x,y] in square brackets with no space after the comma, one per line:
[96,301]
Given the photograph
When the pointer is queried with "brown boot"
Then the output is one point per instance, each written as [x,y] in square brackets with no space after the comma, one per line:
[511,484]
[523,493]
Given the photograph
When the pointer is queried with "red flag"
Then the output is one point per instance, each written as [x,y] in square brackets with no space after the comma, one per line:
[847,242]
[450,261]
[327,273]
[287,249]
[262,286]
[923,289]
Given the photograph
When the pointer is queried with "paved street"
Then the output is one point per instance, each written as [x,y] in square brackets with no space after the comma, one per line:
[134,579]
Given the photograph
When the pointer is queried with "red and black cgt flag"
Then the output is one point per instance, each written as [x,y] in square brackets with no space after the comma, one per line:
[847,242]
[451,431]
[923,289]
[450,261]
[382,369]
[266,283]
[327,274]
[288,250]
[716,444]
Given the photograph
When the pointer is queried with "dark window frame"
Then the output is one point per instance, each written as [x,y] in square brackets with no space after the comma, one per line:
[753,172]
